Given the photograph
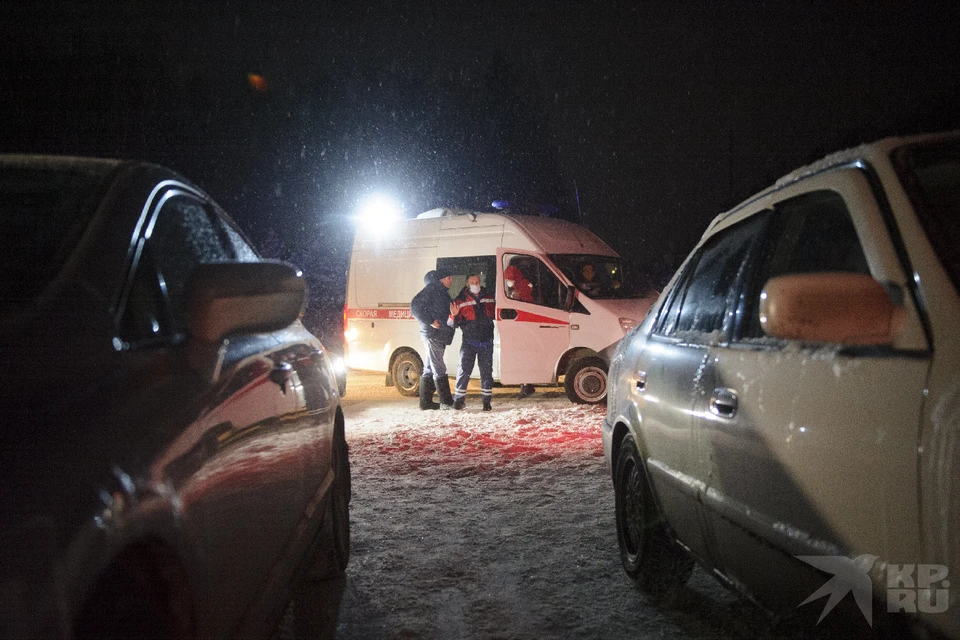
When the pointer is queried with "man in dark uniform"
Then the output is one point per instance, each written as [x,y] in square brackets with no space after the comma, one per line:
[433,309]
[475,312]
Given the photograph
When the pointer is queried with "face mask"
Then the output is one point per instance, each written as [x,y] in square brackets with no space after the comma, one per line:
[474,289]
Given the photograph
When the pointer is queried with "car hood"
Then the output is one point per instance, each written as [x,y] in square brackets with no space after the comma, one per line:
[634,308]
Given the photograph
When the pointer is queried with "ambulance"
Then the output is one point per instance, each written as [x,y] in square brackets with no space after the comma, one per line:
[553,331]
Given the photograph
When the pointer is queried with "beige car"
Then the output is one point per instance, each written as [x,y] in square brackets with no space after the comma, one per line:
[788,414]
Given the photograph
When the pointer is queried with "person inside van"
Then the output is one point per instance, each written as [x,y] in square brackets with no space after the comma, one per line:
[434,310]
[518,287]
[589,283]
[476,310]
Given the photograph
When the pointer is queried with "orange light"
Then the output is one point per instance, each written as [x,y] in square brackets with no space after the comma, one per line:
[257,82]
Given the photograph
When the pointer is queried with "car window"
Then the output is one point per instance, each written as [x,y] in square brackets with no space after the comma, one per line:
[599,277]
[528,279]
[671,305]
[186,232]
[146,314]
[811,233]
[701,308]
[241,250]
[931,176]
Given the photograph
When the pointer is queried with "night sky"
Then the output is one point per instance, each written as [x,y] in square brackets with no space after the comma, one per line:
[658,114]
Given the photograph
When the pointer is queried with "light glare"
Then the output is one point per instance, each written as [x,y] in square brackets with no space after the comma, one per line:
[377,211]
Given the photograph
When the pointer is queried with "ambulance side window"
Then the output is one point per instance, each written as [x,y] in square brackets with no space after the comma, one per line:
[460,268]
[528,279]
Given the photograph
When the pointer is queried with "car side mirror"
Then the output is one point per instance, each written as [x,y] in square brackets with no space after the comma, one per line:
[242,297]
[845,308]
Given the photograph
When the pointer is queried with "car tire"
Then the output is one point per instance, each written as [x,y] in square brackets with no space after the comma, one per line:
[586,381]
[648,550]
[139,596]
[406,371]
[333,552]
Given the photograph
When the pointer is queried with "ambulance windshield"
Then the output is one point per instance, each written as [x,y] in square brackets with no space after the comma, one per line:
[597,277]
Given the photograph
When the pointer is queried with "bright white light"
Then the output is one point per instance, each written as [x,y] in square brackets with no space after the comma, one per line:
[378,211]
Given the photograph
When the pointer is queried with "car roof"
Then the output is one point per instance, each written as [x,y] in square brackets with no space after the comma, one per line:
[871,153]
[37,161]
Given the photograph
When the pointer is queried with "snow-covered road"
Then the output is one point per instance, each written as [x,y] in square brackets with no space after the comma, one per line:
[498,525]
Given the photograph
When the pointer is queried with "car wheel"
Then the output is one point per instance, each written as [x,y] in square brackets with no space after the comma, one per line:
[342,490]
[586,381]
[649,552]
[406,373]
[333,553]
[139,596]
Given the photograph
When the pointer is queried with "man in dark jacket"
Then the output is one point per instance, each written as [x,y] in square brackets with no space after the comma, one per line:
[475,311]
[433,309]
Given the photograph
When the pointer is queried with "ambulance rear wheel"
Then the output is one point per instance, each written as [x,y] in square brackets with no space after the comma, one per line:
[406,373]
[586,381]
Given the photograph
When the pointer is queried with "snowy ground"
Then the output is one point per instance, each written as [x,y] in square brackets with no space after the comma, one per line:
[498,525]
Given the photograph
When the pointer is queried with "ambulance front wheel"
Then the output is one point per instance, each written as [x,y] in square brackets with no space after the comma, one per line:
[406,371]
[586,381]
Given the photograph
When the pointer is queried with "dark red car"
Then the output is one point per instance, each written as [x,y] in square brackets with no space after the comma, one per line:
[173,454]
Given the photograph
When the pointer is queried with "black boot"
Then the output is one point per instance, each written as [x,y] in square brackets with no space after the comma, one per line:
[526,390]
[443,393]
[486,404]
[426,394]
[460,403]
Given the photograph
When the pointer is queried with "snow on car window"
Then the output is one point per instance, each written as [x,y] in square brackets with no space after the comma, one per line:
[241,249]
[184,237]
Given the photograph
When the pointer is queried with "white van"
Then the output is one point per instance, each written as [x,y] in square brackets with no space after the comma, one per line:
[561,332]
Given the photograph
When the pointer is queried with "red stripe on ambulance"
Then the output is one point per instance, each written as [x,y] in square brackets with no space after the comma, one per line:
[526,316]
[378,314]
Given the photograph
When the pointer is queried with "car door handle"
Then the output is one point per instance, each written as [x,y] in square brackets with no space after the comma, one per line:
[723,403]
[641,381]
[508,314]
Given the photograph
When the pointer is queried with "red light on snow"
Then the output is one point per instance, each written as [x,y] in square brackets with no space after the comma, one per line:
[483,445]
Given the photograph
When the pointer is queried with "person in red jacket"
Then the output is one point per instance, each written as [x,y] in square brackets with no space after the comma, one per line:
[518,287]
[476,310]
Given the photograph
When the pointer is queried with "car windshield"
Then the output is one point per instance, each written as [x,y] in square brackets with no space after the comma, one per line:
[931,176]
[44,209]
[598,277]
